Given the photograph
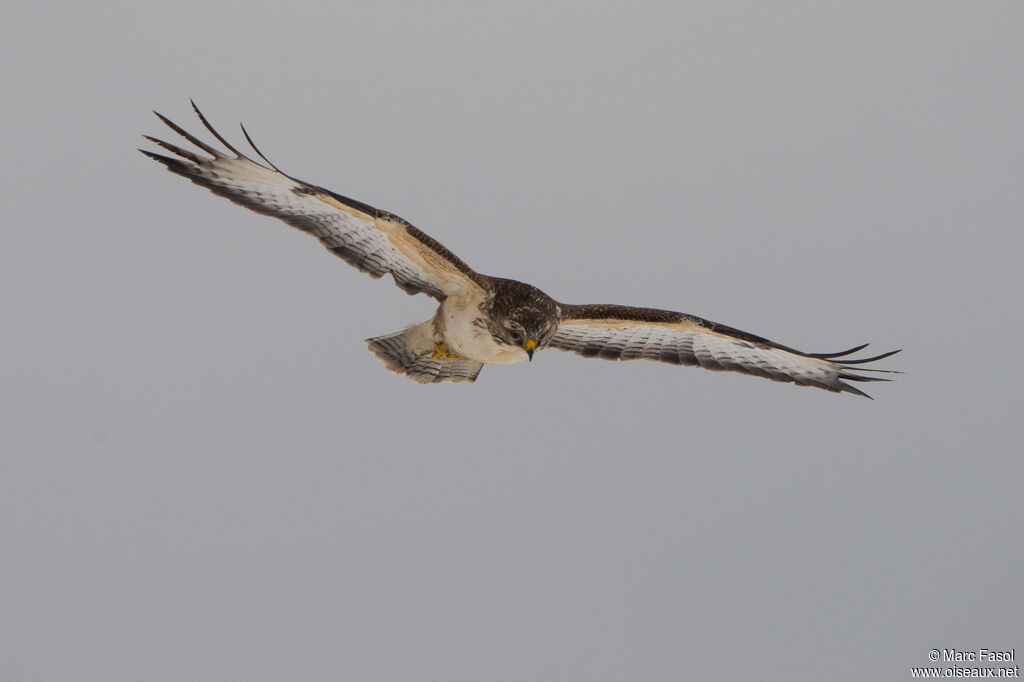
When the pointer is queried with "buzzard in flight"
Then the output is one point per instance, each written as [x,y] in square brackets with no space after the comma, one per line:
[483,320]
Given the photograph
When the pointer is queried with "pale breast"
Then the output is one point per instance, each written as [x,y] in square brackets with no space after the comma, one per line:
[460,323]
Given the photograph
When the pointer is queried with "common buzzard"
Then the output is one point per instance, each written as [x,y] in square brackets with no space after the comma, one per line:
[484,320]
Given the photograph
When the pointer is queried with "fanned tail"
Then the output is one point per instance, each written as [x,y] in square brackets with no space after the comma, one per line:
[411,352]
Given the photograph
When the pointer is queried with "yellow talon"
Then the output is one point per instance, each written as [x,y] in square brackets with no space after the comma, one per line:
[442,352]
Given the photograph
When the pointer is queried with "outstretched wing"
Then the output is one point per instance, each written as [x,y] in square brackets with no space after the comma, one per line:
[375,241]
[614,332]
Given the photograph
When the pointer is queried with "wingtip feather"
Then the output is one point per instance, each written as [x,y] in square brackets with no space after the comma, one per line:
[880,356]
[828,356]
[189,136]
[214,132]
[257,150]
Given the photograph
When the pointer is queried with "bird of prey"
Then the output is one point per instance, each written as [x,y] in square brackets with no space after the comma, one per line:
[484,320]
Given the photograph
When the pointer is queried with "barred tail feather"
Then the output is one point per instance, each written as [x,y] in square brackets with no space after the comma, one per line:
[411,352]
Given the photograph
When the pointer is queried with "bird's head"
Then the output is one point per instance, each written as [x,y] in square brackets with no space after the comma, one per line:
[527,332]
[523,316]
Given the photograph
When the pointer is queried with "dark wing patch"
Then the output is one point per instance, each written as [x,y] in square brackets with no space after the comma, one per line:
[614,332]
[374,241]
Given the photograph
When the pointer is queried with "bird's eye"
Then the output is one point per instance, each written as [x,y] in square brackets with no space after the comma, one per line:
[514,334]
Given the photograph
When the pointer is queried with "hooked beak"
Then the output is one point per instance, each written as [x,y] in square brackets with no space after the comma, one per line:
[529,346]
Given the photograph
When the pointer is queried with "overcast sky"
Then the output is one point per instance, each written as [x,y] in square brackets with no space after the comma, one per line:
[206,476]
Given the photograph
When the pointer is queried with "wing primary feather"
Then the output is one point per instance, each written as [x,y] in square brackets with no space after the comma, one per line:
[209,127]
[826,356]
[856,391]
[862,361]
[261,155]
[189,136]
[174,165]
[174,149]
[871,369]
[858,377]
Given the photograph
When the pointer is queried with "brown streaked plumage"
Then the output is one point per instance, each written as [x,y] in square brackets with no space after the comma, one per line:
[482,319]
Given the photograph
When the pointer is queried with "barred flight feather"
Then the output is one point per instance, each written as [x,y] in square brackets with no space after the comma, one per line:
[624,333]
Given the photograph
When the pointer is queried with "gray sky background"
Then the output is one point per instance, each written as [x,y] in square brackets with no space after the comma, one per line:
[205,475]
